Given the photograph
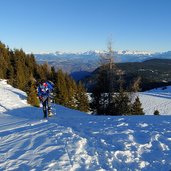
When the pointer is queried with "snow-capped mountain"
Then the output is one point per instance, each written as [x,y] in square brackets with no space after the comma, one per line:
[72,140]
[97,52]
[88,61]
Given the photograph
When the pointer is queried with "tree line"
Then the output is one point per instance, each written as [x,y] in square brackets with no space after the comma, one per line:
[22,71]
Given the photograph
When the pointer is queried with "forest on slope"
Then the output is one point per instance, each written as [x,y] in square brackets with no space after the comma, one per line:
[154,73]
[22,71]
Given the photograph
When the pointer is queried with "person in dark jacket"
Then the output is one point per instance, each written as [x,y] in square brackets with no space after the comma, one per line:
[45,89]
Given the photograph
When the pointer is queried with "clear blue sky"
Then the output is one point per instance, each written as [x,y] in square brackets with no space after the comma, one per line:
[80,25]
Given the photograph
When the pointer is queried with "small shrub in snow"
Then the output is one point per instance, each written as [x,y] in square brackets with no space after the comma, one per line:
[156,112]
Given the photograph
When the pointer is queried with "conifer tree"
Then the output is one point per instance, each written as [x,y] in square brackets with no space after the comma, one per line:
[32,94]
[137,107]
[121,104]
[82,98]
[53,74]
[10,75]
[43,71]
[100,92]
[4,60]
[20,76]
[71,90]
[61,88]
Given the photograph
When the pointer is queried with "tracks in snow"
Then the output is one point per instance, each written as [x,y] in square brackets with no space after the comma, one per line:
[91,143]
[44,145]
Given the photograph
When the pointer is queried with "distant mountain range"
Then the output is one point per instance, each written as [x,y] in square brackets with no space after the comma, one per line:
[86,62]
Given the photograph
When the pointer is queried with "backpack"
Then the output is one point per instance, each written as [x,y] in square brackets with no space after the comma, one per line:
[45,89]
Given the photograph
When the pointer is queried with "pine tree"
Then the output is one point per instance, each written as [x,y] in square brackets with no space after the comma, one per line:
[32,94]
[61,88]
[71,91]
[10,75]
[42,71]
[21,79]
[121,104]
[4,60]
[100,92]
[53,74]
[82,98]
[137,107]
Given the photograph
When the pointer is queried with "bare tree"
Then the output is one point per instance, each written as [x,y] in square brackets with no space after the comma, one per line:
[108,66]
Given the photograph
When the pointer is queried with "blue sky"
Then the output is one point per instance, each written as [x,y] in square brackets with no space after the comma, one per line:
[81,25]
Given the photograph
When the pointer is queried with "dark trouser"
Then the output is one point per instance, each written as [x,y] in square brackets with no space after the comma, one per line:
[46,107]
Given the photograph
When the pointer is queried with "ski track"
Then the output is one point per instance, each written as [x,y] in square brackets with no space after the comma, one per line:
[74,141]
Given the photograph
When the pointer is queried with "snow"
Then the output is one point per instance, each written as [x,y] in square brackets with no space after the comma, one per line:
[73,140]
[157,99]
[120,52]
[135,52]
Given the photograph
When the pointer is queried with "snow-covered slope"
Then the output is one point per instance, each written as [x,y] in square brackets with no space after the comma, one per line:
[157,99]
[73,140]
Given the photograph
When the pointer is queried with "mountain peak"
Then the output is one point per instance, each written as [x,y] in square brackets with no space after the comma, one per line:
[96,52]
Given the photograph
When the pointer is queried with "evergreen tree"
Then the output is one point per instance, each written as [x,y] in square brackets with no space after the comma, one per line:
[4,60]
[68,93]
[53,75]
[43,71]
[121,104]
[21,79]
[71,91]
[32,94]
[100,92]
[61,89]
[136,107]
[82,98]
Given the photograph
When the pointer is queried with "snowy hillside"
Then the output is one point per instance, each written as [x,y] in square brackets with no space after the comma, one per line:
[157,99]
[73,140]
